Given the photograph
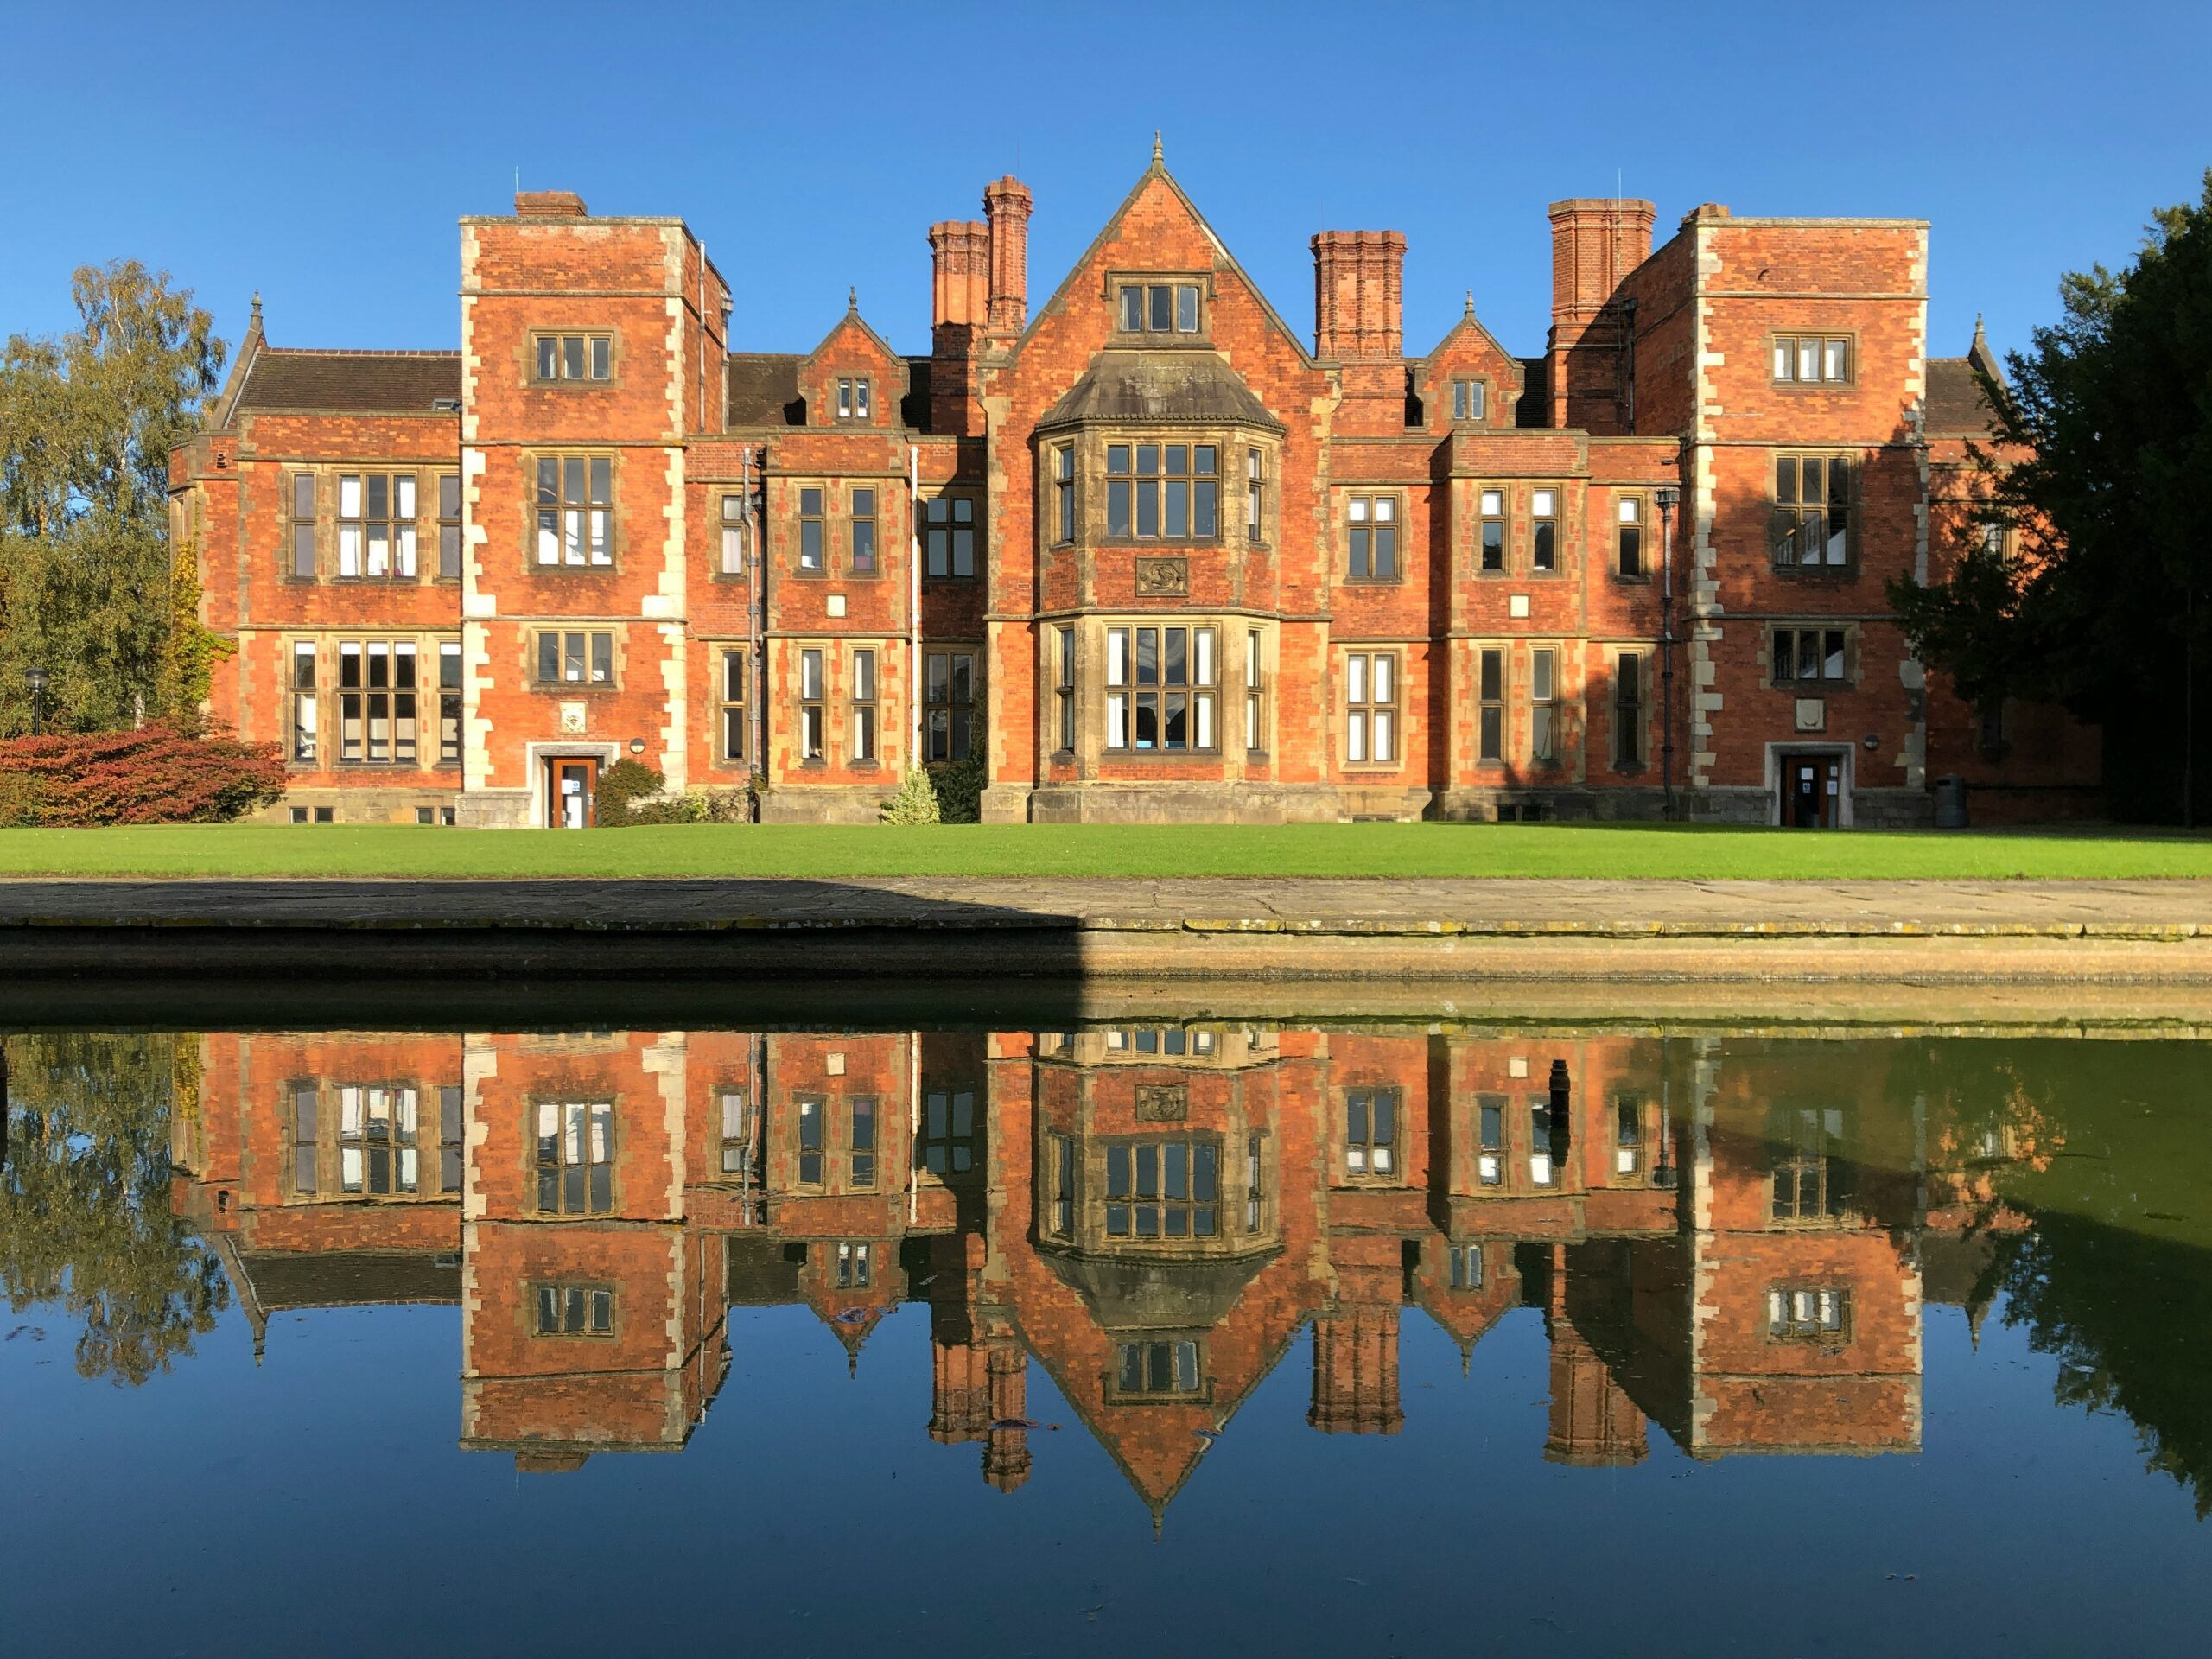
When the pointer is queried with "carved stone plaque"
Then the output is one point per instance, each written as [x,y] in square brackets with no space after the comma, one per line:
[572,720]
[1162,1102]
[1163,578]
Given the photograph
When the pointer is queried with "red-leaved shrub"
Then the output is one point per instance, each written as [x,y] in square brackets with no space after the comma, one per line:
[154,775]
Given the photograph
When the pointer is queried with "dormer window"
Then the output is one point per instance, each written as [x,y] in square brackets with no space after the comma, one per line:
[1468,399]
[575,356]
[853,399]
[1160,308]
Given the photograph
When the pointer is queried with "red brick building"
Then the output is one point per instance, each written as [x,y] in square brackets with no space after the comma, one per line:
[1155,1214]
[1155,552]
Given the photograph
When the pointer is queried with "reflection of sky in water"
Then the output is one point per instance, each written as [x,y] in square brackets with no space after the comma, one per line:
[1461,1397]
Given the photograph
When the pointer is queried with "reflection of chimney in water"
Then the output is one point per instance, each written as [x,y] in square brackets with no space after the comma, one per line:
[1006,1460]
[1562,1103]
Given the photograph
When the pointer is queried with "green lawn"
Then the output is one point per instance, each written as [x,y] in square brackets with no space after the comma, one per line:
[1587,850]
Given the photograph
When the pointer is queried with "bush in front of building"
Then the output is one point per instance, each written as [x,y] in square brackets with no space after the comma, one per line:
[916,801]
[632,793]
[153,775]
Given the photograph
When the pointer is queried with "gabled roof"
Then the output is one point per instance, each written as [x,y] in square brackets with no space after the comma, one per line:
[1955,407]
[400,382]
[1113,225]
[1123,386]
[1469,324]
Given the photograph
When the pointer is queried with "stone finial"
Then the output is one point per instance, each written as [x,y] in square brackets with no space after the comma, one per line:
[253,323]
[1471,305]
[853,297]
[1159,157]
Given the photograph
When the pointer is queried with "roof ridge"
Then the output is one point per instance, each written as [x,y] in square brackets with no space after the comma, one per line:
[361,351]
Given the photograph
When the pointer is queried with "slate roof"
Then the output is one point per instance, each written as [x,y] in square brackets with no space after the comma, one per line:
[284,1279]
[1122,386]
[1956,409]
[764,389]
[382,382]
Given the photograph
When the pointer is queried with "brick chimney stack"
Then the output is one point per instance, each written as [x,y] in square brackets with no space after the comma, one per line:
[960,253]
[1006,205]
[1359,295]
[1596,242]
[549,204]
[960,273]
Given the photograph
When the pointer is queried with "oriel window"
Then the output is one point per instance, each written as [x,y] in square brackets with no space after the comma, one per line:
[949,547]
[1255,691]
[1255,495]
[1372,537]
[1162,492]
[576,510]
[1163,1189]
[1064,494]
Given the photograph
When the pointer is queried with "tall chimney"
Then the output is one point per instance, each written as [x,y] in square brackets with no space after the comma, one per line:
[1006,205]
[960,271]
[960,252]
[1358,295]
[1596,242]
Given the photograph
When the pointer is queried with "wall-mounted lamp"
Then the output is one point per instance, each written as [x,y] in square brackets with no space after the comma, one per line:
[637,746]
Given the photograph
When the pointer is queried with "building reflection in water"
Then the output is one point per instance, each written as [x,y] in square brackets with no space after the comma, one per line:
[1737,1250]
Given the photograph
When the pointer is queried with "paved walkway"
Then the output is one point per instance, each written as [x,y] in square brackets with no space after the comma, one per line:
[2159,911]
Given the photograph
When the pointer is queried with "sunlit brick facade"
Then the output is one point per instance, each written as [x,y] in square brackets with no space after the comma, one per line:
[1157,554]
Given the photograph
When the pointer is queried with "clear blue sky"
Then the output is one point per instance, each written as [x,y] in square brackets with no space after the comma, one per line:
[321,155]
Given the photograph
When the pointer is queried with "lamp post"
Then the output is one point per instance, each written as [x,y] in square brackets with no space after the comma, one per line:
[35,679]
[1667,497]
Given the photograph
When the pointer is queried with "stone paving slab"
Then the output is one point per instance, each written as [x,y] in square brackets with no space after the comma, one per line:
[1403,908]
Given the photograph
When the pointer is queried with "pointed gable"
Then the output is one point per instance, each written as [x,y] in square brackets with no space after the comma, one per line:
[852,353]
[1469,352]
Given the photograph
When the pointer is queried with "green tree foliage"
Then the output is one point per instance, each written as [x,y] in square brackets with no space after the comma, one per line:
[89,585]
[85,1220]
[2104,600]
[916,801]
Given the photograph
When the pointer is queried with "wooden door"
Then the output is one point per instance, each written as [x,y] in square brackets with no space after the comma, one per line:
[1812,792]
[571,781]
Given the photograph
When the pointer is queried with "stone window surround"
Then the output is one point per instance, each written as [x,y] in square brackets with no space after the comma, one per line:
[325,474]
[615,539]
[596,331]
[1820,337]
[1117,280]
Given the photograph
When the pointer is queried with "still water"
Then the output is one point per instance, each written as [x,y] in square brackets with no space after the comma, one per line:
[1158,1337]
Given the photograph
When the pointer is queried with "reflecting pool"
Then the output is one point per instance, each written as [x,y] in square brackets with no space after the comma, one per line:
[1154,1335]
